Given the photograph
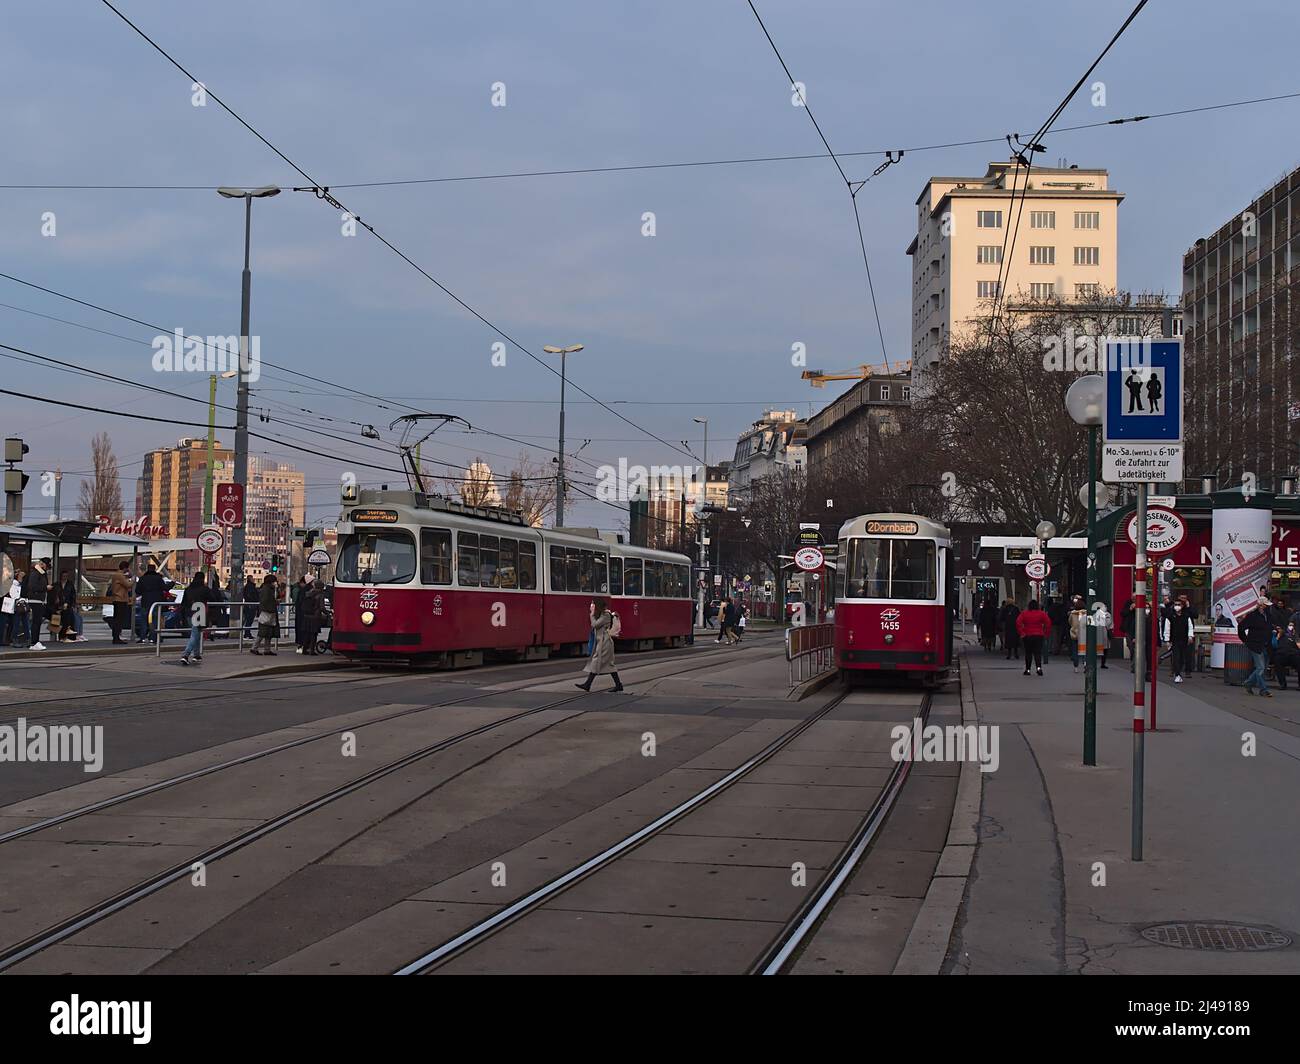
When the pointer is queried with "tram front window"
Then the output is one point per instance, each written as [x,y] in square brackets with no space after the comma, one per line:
[377,558]
[891,569]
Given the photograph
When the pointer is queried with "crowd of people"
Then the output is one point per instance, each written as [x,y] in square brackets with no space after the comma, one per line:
[1270,632]
[732,618]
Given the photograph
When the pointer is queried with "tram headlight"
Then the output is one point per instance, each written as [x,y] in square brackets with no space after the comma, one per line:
[367,617]
[889,637]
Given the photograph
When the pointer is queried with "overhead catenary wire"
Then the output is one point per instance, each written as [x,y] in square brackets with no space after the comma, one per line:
[317,187]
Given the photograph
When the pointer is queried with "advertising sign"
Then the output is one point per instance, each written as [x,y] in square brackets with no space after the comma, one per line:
[1241,542]
[229,504]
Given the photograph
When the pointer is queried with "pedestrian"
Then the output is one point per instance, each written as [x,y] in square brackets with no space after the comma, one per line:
[119,600]
[1101,622]
[710,611]
[988,623]
[1166,611]
[1059,614]
[604,624]
[1128,626]
[20,627]
[268,616]
[36,589]
[220,613]
[249,598]
[732,614]
[1278,615]
[723,607]
[1078,621]
[1254,630]
[313,604]
[1007,622]
[194,613]
[740,621]
[152,589]
[298,591]
[1177,630]
[1034,628]
[1287,651]
[69,613]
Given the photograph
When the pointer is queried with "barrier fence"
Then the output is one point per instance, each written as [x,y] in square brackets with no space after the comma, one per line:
[235,611]
[810,651]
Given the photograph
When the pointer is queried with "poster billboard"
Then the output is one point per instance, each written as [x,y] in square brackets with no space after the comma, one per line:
[1241,542]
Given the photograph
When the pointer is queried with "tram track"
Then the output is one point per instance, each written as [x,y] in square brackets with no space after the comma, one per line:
[792,935]
[72,925]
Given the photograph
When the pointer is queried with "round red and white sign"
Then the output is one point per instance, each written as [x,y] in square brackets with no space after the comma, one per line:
[210,540]
[1165,530]
[1037,568]
[809,559]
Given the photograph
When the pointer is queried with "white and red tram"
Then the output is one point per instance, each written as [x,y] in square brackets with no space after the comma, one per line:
[425,579]
[893,608]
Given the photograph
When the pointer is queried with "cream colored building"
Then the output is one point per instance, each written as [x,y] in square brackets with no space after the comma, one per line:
[1066,246]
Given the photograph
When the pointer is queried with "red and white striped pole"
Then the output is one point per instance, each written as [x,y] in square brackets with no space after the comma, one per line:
[1139,670]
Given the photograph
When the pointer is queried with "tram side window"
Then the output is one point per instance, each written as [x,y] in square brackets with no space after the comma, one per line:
[601,575]
[557,568]
[841,571]
[527,566]
[586,577]
[668,581]
[467,559]
[507,568]
[377,558]
[489,550]
[651,579]
[572,568]
[912,570]
[435,555]
[616,576]
[632,577]
[684,580]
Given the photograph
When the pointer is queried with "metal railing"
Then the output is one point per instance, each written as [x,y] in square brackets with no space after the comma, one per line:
[810,651]
[235,609]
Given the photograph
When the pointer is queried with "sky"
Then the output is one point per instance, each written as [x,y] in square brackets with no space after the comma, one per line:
[697,320]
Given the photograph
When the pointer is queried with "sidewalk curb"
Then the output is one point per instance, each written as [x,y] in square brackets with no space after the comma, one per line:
[927,943]
[811,686]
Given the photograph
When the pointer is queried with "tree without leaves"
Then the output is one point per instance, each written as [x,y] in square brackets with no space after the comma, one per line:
[102,496]
[529,491]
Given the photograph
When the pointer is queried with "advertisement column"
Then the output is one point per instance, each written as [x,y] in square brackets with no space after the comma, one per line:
[1242,541]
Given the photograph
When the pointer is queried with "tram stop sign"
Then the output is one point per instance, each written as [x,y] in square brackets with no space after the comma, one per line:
[1142,416]
[1037,568]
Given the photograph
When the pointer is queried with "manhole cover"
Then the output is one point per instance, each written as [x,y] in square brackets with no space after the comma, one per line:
[1223,937]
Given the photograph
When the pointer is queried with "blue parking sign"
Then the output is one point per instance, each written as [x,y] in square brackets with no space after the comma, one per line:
[1144,392]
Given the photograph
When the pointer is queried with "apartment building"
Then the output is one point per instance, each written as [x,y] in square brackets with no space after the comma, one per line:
[1066,246]
[1240,291]
[848,424]
[171,484]
[775,442]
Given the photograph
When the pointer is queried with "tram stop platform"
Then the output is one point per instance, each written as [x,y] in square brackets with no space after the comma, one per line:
[1053,887]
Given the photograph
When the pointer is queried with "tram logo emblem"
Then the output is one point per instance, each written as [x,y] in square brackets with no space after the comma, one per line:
[890,615]
[889,620]
[437,605]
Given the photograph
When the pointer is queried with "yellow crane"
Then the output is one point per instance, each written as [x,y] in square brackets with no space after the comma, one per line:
[819,377]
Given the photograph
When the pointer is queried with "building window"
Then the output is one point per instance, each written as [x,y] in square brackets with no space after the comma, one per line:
[1087,219]
[988,253]
[1086,291]
[1042,219]
[884,391]
[1042,255]
[988,219]
[986,289]
[1044,290]
[907,392]
[1126,326]
[1087,256]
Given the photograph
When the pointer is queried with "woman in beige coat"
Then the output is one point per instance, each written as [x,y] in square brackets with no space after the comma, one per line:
[602,656]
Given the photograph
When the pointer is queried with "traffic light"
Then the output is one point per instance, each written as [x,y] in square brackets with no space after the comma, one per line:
[15,480]
[276,562]
[310,539]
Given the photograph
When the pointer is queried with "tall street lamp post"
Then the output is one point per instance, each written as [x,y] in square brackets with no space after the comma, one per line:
[241,407]
[1084,401]
[563,352]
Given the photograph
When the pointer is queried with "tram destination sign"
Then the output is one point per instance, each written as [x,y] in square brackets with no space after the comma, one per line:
[374,517]
[892,528]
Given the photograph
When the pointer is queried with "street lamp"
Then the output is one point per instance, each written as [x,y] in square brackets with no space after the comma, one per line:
[563,352]
[241,406]
[1084,400]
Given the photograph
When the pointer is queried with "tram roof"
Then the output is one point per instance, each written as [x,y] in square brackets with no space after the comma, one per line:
[896,526]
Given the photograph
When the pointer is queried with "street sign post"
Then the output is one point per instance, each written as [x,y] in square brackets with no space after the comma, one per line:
[319,556]
[1036,569]
[230,504]
[210,540]
[809,559]
[1142,417]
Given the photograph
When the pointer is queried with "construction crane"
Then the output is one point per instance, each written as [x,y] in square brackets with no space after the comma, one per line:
[820,377]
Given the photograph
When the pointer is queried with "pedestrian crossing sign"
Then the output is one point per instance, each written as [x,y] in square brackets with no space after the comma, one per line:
[1144,392]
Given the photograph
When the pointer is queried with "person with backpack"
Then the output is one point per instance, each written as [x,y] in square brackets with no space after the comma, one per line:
[606,626]
[1034,628]
[194,613]
[1178,631]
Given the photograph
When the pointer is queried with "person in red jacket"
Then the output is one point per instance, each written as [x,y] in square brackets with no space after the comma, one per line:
[1034,627]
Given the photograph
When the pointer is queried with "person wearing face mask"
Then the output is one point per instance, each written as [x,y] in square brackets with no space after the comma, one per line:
[1178,632]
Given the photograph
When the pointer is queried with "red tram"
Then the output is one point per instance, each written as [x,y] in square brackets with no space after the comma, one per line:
[425,579]
[892,590]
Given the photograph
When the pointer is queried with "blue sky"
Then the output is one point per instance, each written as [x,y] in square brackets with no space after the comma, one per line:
[696,321]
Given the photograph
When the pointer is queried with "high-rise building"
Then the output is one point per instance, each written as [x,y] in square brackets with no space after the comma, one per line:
[171,484]
[1065,249]
[1241,286]
[276,504]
